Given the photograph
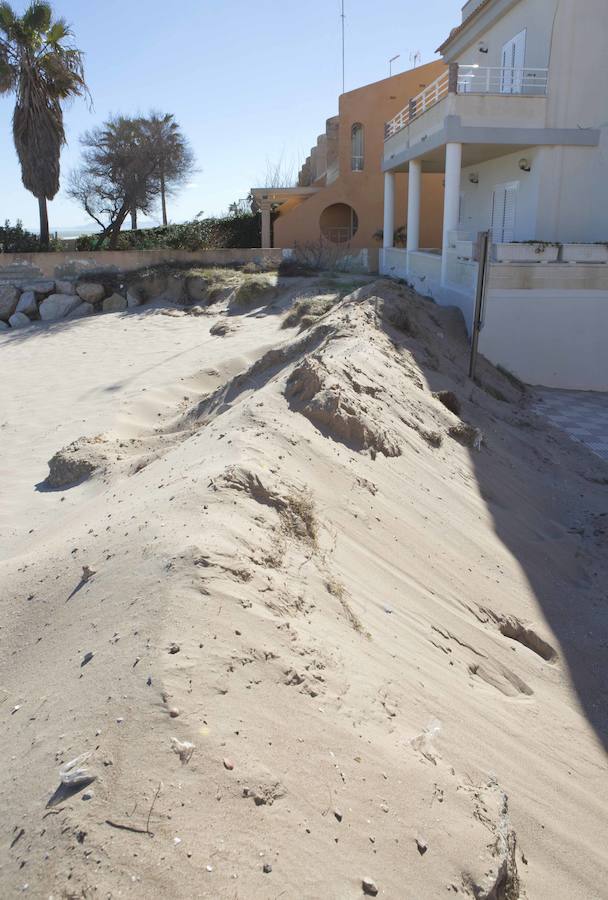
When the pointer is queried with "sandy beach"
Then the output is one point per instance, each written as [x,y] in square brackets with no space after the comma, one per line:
[368,591]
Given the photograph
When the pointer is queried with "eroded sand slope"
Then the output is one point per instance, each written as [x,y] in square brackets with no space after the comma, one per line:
[382,624]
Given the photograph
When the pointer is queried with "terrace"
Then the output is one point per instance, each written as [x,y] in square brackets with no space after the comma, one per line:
[470,79]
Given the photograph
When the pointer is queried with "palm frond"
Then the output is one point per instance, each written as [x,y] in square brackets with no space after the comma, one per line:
[8,74]
[59,31]
[7,19]
[37,17]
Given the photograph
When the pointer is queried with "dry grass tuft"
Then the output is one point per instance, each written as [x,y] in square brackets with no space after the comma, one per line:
[449,400]
[308,310]
[463,433]
[337,590]
[251,289]
[433,438]
[299,518]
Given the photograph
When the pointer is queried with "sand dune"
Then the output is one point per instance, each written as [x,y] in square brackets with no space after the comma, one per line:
[376,609]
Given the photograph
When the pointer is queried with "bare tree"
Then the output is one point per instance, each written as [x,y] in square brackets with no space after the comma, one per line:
[278,174]
[241,207]
[100,198]
[117,175]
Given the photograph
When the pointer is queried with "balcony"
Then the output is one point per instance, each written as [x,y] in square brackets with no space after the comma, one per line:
[467,79]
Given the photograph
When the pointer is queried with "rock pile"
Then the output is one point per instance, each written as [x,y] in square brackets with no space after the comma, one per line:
[52,300]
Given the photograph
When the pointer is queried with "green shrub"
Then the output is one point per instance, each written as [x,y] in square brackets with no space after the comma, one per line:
[15,239]
[200,234]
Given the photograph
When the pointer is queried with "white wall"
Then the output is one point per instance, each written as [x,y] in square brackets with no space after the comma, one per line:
[569,184]
[573,192]
[536,16]
[574,183]
[549,337]
[476,209]
[422,270]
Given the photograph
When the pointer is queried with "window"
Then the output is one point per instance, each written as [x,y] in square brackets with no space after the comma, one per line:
[339,223]
[513,56]
[504,205]
[357,150]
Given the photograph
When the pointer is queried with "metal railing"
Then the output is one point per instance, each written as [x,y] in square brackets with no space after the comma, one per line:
[338,235]
[470,79]
[476,79]
[419,104]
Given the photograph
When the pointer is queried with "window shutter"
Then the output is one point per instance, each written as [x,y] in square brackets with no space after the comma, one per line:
[498,214]
[510,204]
[504,207]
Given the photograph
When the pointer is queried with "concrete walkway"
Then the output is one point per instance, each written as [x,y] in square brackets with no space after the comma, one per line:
[581,414]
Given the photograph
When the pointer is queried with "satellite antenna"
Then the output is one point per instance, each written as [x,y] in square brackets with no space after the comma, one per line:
[342,16]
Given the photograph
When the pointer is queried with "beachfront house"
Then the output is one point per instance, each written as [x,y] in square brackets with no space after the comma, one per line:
[338,197]
[517,126]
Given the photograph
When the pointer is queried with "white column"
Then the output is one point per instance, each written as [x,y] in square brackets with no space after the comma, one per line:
[389,209]
[266,239]
[451,200]
[413,205]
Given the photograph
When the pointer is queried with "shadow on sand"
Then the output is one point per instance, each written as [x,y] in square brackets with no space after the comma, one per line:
[548,498]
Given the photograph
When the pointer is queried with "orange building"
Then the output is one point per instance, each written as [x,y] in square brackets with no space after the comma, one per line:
[340,187]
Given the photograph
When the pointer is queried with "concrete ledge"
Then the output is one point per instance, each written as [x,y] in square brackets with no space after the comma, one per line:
[67,264]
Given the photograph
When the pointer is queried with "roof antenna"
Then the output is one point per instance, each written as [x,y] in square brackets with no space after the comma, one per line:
[342,16]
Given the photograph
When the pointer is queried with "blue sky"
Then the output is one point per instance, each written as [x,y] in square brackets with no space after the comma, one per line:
[248,81]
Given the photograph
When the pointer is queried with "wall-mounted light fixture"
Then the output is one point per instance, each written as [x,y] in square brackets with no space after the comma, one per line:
[473,177]
[524,165]
[483,48]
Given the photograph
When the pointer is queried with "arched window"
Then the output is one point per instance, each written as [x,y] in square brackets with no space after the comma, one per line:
[339,223]
[357,148]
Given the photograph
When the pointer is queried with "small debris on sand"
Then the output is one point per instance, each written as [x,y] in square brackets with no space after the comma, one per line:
[184,749]
[369,887]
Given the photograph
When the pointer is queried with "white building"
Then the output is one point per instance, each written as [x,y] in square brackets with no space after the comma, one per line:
[518,124]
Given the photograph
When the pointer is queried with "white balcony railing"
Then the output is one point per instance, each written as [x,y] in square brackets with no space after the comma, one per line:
[475,79]
[470,79]
[419,104]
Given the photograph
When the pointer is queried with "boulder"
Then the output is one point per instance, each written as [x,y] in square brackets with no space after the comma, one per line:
[9,295]
[115,303]
[4,326]
[27,304]
[175,289]
[90,292]
[65,287]
[151,287]
[82,310]
[57,306]
[133,298]
[197,287]
[40,288]
[18,320]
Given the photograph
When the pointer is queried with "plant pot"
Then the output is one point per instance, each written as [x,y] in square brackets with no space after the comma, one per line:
[594,253]
[535,253]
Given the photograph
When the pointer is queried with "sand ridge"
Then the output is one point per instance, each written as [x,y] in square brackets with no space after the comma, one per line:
[379,621]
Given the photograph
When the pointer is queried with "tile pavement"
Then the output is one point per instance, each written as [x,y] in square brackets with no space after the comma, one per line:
[581,414]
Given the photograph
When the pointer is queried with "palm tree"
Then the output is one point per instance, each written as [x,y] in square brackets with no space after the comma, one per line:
[174,158]
[39,64]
